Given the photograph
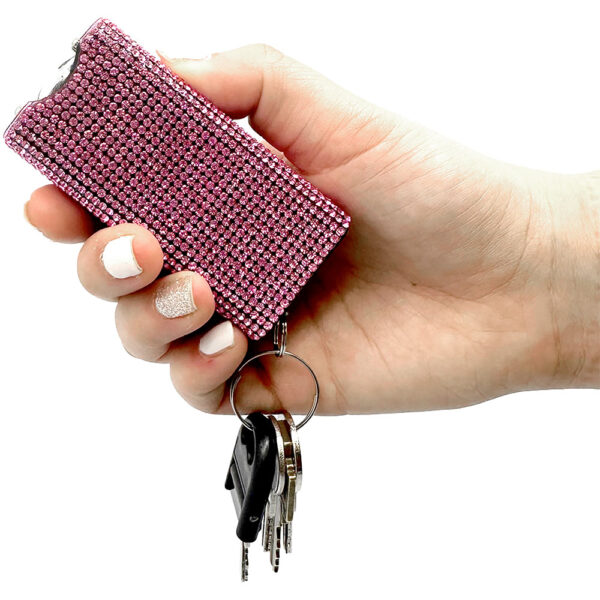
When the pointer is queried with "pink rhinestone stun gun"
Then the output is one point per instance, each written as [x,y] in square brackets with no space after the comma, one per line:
[132,143]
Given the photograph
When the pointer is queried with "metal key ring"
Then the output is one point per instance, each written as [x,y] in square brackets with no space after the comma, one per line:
[280,335]
[277,352]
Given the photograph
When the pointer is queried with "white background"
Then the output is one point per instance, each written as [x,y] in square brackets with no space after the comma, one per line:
[112,487]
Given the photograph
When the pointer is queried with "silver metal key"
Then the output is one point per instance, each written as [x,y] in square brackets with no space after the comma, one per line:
[297,458]
[282,501]
[274,524]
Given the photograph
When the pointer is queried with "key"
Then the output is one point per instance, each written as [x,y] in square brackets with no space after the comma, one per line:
[278,485]
[250,479]
[293,435]
[293,464]
[282,500]
[273,521]
[296,446]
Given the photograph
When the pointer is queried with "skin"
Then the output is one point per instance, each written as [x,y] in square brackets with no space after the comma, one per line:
[461,278]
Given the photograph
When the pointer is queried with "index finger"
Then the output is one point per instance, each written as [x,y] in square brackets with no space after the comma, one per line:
[58,216]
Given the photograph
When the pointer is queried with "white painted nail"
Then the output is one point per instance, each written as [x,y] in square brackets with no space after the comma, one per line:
[216,339]
[118,258]
[175,298]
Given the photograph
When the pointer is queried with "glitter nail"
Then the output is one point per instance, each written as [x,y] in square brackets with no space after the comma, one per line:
[175,298]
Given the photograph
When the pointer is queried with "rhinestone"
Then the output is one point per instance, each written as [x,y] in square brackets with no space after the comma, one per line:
[131,142]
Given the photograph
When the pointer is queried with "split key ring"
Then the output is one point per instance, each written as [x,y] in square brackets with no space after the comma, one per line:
[279,341]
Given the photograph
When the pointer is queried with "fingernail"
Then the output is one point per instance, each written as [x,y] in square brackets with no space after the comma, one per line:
[176,298]
[118,258]
[216,339]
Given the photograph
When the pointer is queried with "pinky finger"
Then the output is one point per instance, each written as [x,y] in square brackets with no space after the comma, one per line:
[201,365]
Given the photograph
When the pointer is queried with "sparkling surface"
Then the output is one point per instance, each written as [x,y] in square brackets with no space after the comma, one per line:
[133,143]
[175,298]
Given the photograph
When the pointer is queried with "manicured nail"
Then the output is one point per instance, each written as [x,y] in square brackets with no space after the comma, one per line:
[176,298]
[118,258]
[216,339]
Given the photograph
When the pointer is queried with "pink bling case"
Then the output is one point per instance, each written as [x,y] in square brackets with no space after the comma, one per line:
[133,143]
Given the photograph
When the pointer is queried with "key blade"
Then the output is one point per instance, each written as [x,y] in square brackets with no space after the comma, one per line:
[276,548]
[269,523]
[289,496]
[244,565]
[288,538]
[279,479]
[275,537]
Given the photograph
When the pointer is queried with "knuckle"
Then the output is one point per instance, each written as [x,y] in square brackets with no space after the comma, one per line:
[132,332]
[142,351]
[267,53]
[90,275]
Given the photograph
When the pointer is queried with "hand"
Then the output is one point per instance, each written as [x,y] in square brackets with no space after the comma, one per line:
[461,278]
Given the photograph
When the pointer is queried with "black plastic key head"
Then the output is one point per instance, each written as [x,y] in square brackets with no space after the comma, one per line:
[250,475]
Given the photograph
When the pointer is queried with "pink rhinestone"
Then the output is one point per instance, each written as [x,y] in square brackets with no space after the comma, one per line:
[132,143]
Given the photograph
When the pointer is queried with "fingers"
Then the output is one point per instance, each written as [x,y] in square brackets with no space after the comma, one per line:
[57,216]
[173,307]
[119,260]
[269,383]
[201,365]
[317,124]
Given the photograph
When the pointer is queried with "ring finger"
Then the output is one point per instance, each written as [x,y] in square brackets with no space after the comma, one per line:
[170,308]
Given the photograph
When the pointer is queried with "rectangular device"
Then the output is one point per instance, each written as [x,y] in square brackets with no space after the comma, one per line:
[133,143]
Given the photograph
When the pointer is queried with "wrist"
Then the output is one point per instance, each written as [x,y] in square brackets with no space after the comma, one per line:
[571,205]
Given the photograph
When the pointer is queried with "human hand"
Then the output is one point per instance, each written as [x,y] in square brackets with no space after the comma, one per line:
[461,278]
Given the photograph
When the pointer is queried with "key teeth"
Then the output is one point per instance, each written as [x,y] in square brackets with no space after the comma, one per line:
[270,534]
[288,538]
[245,561]
[267,535]
[276,549]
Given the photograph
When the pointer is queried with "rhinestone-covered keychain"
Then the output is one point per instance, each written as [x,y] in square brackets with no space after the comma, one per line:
[131,142]
[265,472]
